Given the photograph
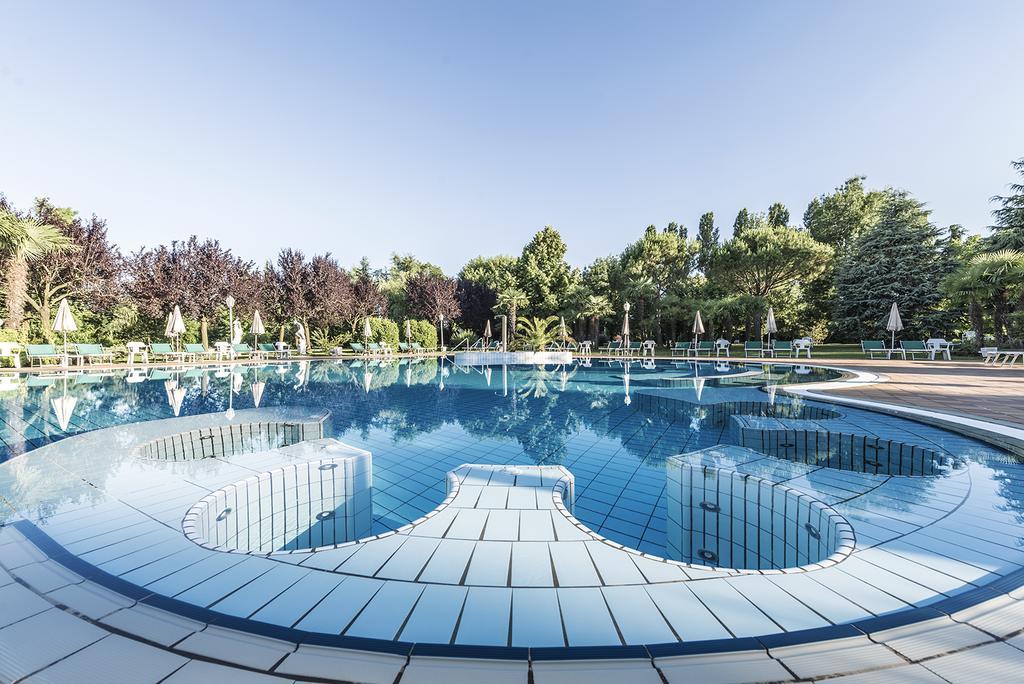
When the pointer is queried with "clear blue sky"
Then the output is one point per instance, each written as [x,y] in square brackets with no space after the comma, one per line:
[455,129]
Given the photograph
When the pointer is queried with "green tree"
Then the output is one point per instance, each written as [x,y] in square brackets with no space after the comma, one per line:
[594,308]
[992,279]
[24,239]
[654,267]
[404,267]
[1008,231]
[778,215]
[898,259]
[742,222]
[765,261]
[497,272]
[707,242]
[510,302]
[543,274]
[536,333]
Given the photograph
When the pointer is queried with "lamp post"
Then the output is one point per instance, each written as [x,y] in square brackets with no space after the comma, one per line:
[230,301]
[440,329]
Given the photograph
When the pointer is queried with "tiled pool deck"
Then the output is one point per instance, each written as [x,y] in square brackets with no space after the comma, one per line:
[500,582]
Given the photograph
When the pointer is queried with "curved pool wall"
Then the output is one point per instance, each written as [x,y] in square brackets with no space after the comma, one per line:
[501,565]
[322,500]
[724,518]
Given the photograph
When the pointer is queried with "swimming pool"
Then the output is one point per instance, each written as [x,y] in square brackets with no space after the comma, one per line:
[612,424]
[608,503]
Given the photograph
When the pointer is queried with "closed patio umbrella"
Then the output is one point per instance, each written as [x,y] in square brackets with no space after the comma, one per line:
[772,328]
[625,328]
[257,328]
[177,324]
[487,330]
[408,331]
[894,324]
[64,322]
[367,330]
[561,329]
[698,328]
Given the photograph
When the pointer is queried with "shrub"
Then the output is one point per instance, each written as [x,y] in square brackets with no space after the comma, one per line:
[383,330]
[423,332]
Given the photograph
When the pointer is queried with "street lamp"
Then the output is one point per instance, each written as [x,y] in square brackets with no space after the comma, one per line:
[441,331]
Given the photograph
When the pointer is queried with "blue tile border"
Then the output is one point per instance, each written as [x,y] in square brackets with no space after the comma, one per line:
[941,608]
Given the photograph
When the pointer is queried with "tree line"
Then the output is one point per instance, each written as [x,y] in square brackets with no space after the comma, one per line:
[833,275]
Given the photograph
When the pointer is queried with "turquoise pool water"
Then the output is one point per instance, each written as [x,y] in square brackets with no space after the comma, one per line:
[612,424]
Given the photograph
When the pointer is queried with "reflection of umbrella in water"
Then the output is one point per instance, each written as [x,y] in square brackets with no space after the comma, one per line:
[487,375]
[63,407]
[698,386]
[367,379]
[301,375]
[772,389]
[408,376]
[175,395]
[257,390]
[625,382]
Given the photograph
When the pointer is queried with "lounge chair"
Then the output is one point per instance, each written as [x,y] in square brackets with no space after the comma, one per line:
[403,347]
[915,347]
[681,348]
[611,348]
[357,348]
[751,348]
[93,353]
[872,347]
[166,351]
[495,345]
[780,347]
[374,348]
[417,348]
[38,353]
[703,346]
[243,350]
[634,348]
[197,351]
[269,349]
[1003,357]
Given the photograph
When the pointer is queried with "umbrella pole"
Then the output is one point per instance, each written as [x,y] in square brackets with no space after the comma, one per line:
[65,348]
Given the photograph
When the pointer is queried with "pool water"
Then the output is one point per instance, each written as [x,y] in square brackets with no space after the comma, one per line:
[613,424]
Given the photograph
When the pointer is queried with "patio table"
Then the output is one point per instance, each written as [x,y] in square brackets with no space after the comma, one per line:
[12,351]
[937,345]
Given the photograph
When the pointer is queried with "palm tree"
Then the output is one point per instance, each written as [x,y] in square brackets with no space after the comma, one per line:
[538,332]
[21,241]
[992,277]
[596,307]
[510,300]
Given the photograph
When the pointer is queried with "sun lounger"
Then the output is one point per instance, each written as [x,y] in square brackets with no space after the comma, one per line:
[1004,357]
[93,353]
[781,347]
[681,348]
[38,353]
[872,347]
[704,346]
[166,351]
[198,351]
[915,347]
[752,348]
[357,348]
[243,350]
[611,348]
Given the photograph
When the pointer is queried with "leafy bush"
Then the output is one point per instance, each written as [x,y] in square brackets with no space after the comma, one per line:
[460,335]
[423,332]
[382,330]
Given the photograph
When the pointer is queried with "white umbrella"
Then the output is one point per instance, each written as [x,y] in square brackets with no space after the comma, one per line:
[257,328]
[625,330]
[367,330]
[167,327]
[63,407]
[408,331]
[177,324]
[487,330]
[894,323]
[561,329]
[698,327]
[64,323]
[772,328]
